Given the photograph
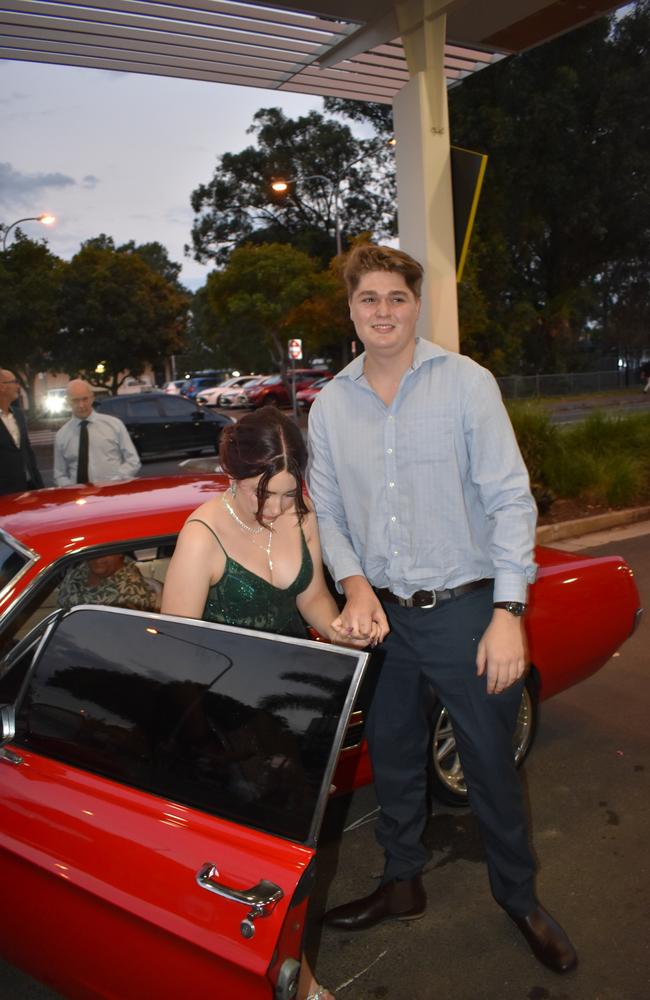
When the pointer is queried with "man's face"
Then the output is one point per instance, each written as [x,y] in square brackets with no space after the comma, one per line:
[384,312]
[105,566]
[9,388]
[81,401]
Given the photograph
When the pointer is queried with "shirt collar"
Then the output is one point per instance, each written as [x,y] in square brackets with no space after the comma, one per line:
[424,351]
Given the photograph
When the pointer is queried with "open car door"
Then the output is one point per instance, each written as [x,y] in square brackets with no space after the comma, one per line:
[162,786]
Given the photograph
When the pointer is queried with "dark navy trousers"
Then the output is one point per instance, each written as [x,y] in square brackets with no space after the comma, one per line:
[437,647]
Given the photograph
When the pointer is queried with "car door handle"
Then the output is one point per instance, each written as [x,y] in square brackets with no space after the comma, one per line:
[261,898]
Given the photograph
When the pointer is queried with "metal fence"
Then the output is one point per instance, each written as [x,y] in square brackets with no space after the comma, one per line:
[564,384]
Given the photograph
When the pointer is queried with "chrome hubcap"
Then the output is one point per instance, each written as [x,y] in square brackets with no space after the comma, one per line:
[446,760]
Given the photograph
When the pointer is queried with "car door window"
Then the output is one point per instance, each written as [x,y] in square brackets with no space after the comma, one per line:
[178,408]
[238,724]
[142,409]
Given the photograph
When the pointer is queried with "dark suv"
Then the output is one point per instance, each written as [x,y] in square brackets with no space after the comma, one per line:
[158,422]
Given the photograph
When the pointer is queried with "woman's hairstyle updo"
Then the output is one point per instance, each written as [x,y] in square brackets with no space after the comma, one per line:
[264,443]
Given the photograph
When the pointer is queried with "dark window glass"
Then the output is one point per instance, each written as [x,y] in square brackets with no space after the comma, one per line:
[174,406]
[114,407]
[236,725]
[142,409]
[11,563]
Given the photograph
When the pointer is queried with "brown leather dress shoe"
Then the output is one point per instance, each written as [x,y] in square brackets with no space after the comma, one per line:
[398,900]
[548,942]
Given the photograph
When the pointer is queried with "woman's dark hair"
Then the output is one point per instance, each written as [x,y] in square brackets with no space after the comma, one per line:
[264,443]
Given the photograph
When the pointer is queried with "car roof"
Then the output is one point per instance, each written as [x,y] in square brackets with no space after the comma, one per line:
[67,519]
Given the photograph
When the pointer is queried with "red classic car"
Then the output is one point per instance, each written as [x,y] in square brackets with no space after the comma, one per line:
[163,781]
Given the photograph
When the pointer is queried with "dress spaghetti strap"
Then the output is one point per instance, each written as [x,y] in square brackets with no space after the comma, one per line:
[197,520]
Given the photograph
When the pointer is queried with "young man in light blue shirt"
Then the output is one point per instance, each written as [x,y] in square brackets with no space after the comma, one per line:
[427,524]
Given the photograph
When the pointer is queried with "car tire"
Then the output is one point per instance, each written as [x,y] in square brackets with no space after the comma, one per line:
[447,782]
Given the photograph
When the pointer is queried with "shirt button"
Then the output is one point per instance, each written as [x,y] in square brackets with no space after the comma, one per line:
[391,418]
[391,485]
[389,451]
[395,552]
[393,518]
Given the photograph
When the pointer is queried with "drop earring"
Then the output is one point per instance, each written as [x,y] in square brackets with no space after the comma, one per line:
[233,488]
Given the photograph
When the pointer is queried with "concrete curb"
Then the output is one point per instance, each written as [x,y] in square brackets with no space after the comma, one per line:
[547,534]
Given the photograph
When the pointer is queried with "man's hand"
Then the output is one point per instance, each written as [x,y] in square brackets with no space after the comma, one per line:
[363,620]
[502,651]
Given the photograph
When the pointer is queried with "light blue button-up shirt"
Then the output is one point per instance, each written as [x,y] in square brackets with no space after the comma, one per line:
[111,452]
[428,493]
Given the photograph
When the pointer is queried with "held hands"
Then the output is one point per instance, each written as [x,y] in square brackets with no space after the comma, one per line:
[363,621]
[502,652]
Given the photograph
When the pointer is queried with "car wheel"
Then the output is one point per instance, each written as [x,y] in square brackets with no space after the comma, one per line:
[447,779]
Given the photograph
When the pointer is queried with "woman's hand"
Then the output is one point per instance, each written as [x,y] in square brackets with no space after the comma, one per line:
[363,620]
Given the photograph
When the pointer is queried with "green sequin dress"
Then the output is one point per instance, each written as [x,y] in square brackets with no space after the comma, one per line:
[247,600]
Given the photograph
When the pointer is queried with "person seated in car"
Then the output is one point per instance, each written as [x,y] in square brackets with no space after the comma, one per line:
[112,580]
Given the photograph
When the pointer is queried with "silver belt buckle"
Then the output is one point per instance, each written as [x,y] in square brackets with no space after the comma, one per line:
[433,602]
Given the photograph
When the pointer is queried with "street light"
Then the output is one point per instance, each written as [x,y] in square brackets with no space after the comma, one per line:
[280,186]
[45,218]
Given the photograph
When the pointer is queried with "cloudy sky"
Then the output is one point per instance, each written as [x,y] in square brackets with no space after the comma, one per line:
[117,153]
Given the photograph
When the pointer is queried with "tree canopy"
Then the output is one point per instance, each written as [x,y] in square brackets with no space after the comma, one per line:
[267,295]
[117,312]
[559,267]
[320,157]
[30,286]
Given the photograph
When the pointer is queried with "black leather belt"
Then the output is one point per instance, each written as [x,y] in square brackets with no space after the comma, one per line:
[430,598]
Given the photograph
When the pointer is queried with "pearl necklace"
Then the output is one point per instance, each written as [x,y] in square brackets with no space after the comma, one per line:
[253,531]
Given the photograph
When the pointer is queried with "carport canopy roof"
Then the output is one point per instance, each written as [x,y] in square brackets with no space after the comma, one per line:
[343,48]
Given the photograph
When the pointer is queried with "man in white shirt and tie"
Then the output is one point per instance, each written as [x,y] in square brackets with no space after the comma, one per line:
[92,447]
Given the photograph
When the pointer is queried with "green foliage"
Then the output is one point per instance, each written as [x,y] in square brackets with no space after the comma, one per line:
[321,156]
[117,310]
[30,283]
[260,300]
[602,459]
[565,211]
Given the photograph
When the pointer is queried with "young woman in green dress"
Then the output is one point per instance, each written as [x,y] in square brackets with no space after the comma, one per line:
[251,556]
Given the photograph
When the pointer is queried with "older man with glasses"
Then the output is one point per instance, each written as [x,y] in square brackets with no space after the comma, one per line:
[18,469]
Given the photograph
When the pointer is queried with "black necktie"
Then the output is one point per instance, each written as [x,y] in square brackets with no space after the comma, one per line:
[82,461]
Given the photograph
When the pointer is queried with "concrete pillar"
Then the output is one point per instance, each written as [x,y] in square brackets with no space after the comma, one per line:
[424,193]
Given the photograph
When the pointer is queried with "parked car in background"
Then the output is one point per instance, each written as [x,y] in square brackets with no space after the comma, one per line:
[272,391]
[200,381]
[230,393]
[160,423]
[136,383]
[173,388]
[306,396]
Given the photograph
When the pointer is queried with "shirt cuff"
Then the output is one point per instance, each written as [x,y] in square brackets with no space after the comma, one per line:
[511,587]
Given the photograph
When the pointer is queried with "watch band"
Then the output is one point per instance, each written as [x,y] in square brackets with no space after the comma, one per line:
[514,607]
